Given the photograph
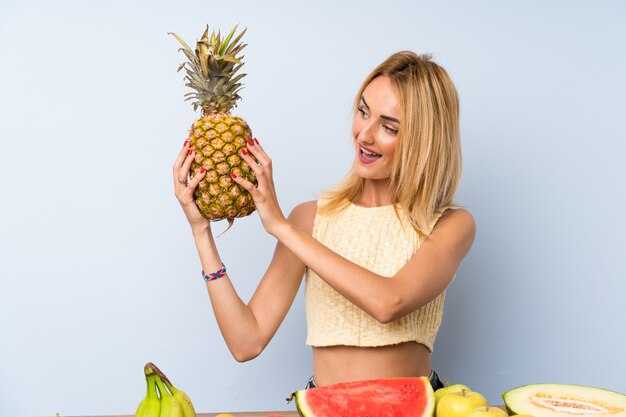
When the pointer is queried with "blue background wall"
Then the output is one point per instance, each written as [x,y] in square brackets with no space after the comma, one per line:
[99,271]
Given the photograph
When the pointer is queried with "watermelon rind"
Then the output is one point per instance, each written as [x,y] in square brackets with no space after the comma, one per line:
[301,404]
[374,398]
[564,400]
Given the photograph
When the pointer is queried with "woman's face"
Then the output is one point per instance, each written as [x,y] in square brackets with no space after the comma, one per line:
[375,129]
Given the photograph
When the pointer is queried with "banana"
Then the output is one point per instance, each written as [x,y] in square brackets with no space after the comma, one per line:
[182,398]
[170,407]
[150,406]
[139,412]
[142,406]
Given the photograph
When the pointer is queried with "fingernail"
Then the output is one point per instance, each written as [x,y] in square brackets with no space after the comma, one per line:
[243,151]
[250,142]
[202,170]
[256,141]
[185,144]
[190,151]
[233,175]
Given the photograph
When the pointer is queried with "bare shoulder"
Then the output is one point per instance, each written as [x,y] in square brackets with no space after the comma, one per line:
[458,217]
[303,215]
[456,226]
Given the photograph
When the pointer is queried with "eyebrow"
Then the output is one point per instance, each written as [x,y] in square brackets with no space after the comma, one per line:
[382,116]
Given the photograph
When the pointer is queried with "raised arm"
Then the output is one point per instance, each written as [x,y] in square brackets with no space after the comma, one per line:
[425,276]
[421,279]
[246,328]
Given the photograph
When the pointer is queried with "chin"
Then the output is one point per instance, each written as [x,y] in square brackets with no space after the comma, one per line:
[361,170]
[368,173]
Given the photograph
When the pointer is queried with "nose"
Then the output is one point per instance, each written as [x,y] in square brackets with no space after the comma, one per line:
[366,134]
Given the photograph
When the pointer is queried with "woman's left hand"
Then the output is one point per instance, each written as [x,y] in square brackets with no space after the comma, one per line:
[264,194]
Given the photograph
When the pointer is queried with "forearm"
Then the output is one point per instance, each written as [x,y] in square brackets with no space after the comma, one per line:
[369,291]
[234,318]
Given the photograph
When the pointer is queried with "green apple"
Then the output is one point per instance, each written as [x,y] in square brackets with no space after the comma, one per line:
[488,412]
[459,404]
[449,390]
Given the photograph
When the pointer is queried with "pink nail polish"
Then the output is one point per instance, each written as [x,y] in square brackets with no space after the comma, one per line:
[202,170]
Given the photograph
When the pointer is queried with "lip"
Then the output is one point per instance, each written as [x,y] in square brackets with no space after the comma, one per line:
[368,149]
[365,160]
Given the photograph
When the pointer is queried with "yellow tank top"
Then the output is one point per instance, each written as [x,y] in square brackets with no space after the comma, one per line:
[381,241]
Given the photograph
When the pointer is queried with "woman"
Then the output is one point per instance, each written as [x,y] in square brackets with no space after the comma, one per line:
[378,251]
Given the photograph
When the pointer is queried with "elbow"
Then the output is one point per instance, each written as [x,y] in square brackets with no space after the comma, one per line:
[246,354]
[243,357]
[388,310]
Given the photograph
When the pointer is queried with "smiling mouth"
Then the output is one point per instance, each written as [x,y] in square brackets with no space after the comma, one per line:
[369,153]
[367,157]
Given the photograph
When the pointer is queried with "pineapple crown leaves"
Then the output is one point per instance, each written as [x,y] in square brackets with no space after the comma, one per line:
[211,70]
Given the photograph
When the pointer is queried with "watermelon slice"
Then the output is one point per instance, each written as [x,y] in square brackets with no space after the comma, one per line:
[397,397]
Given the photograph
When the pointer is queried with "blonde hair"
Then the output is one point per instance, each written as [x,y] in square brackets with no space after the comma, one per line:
[427,164]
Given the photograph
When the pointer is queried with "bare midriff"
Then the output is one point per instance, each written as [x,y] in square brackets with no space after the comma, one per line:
[333,364]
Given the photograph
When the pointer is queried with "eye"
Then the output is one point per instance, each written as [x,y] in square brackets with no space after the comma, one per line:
[362,111]
[390,130]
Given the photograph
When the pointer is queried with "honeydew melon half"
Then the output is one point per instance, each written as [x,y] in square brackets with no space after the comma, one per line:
[563,400]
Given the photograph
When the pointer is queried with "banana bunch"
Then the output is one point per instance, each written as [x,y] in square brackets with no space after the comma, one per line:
[167,402]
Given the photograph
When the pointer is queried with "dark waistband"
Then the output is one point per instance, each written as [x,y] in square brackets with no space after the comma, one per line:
[434,379]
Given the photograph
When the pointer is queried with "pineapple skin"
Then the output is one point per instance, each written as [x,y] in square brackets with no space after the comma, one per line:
[217,140]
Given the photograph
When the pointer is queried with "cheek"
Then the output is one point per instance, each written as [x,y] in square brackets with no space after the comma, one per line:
[388,146]
[355,128]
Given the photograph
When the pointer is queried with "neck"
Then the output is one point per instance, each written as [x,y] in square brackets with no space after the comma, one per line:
[376,193]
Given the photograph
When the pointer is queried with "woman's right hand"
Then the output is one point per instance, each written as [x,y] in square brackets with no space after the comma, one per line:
[183,188]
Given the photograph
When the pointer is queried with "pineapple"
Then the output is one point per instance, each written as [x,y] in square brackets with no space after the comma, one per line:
[218,137]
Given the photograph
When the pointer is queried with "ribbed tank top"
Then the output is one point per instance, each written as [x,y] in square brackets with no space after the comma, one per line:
[381,241]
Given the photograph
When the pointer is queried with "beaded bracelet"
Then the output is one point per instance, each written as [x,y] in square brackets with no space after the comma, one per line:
[214,275]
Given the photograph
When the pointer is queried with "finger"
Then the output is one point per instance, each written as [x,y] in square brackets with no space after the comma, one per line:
[181,174]
[195,180]
[247,185]
[184,171]
[259,153]
[253,163]
[182,155]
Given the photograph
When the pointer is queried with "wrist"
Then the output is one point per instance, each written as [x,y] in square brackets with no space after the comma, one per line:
[212,276]
[281,229]
[201,230]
